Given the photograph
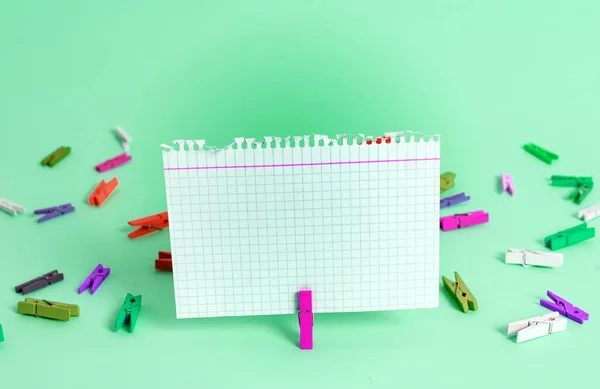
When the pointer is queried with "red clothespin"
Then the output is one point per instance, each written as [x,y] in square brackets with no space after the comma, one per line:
[462,220]
[164,261]
[149,224]
[306,319]
[379,140]
[102,192]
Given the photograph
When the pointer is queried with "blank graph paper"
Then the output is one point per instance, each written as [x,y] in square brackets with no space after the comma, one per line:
[355,219]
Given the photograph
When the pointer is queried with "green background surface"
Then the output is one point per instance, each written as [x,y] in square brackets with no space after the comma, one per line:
[488,76]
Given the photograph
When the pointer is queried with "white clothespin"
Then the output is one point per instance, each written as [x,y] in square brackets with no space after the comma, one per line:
[123,137]
[533,258]
[10,207]
[538,326]
[590,213]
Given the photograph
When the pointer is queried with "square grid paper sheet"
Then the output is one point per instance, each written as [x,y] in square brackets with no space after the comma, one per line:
[355,219]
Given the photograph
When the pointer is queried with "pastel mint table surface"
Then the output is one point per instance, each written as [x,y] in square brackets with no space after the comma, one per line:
[489,77]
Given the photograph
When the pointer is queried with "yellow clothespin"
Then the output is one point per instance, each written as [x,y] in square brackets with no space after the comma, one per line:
[446,181]
[48,309]
[459,291]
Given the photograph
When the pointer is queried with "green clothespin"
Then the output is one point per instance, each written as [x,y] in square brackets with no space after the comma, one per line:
[56,156]
[569,237]
[129,312]
[540,153]
[584,186]
[446,181]
[459,292]
[48,309]
[1,334]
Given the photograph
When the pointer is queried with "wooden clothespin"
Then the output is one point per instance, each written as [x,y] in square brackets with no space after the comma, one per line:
[507,183]
[583,185]
[446,181]
[537,327]
[164,261]
[569,237]
[305,319]
[590,213]
[565,308]
[129,312]
[48,309]
[540,153]
[533,258]
[463,220]
[148,225]
[1,334]
[95,279]
[459,291]
[123,138]
[40,282]
[102,192]
[453,200]
[54,212]
[113,162]
[56,156]
[10,207]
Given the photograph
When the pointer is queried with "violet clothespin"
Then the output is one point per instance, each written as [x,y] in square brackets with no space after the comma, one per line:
[53,212]
[306,319]
[565,308]
[95,279]
[507,184]
[453,200]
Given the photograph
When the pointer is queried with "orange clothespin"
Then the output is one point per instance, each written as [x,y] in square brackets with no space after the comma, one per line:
[102,192]
[149,224]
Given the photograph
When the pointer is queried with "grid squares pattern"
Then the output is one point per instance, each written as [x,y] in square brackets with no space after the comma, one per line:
[356,224]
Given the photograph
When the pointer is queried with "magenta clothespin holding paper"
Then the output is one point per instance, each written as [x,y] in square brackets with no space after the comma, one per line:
[95,279]
[113,162]
[507,184]
[565,308]
[306,319]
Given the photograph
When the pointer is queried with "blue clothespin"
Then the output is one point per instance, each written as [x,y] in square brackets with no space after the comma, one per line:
[453,200]
[53,212]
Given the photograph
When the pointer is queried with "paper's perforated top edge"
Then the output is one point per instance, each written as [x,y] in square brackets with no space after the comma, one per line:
[311,140]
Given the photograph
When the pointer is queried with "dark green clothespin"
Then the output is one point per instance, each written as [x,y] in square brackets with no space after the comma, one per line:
[1,334]
[129,312]
[540,153]
[56,156]
[569,237]
[446,181]
[459,291]
[584,186]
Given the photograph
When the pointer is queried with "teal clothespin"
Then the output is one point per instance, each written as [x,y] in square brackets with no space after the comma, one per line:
[569,237]
[1,334]
[584,186]
[540,153]
[129,312]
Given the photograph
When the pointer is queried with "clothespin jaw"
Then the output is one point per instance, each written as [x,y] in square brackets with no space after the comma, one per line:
[56,156]
[113,162]
[305,319]
[164,261]
[569,237]
[533,258]
[47,309]
[537,327]
[149,224]
[507,183]
[54,212]
[38,283]
[446,181]
[540,153]
[95,279]
[463,220]
[565,308]
[10,207]
[129,312]
[459,291]
[453,200]
[102,192]
[590,213]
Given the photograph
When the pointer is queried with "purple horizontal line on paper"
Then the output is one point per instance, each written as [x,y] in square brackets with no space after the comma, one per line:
[300,164]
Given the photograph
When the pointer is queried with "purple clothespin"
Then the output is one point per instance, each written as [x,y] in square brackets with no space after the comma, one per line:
[453,200]
[565,308]
[53,212]
[95,279]
[507,183]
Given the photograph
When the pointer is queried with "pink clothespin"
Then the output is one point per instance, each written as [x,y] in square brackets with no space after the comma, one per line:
[507,184]
[113,162]
[95,279]
[306,319]
[565,308]
[462,220]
